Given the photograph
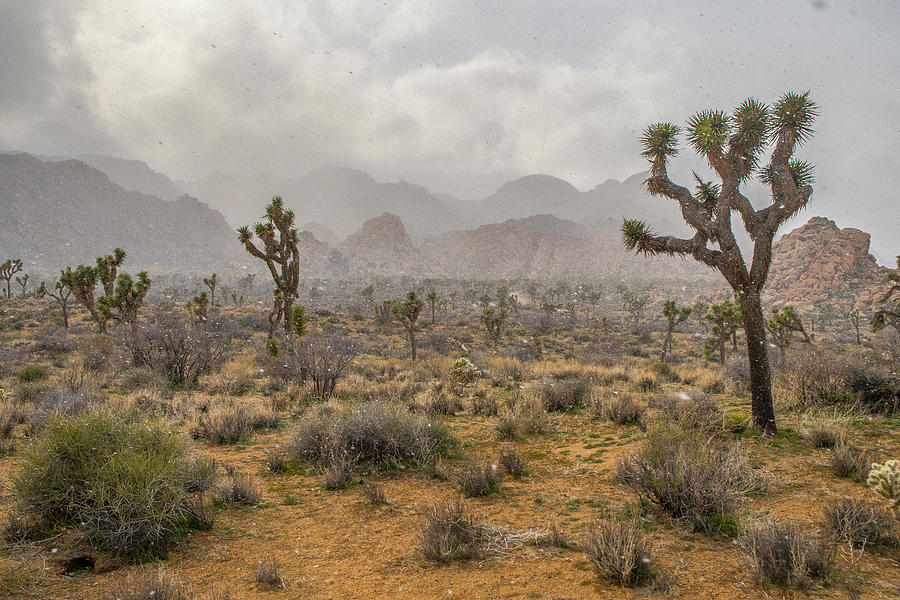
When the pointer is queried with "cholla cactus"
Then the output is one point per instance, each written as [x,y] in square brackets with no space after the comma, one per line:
[884,479]
[2,395]
[463,371]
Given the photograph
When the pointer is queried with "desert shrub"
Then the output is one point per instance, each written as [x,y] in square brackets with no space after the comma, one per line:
[142,378]
[53,341]
[564,394]
[511,370]
[277,460]
[823,435]
[512,462]
[440,402]
[848,460]
[813,378]
[737,373]
[337,475]
[620,551]
[68,401]
[884,480]
[324,359]
[228,425]
[167,343]
[235,378]
[860,524]
[689,477]
[378,434]
[99,353]
[449,533]
[150,582]
[786,553]
[32,373]
[374,494]
[622,409]
[122,482]
[268,574]
[526,417]
[486,406]
[737,422]
[666,372]
[479,479]
[237,488]
[689,411]
[879,393]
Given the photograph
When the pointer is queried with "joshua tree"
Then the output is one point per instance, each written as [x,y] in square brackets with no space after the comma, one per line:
[211,282]
[699,310]
[726,319]
[245,285]
[108,269]
[407,312]
[280,253]
[889,313]
[368,294]
[83,282]
[61,297]
[674,315]
[855,319]
[734,145]
[23,283]
[783,325]
[634,302]
[7,270]
[125,301]
[432,298]
[493,320]
[198,306]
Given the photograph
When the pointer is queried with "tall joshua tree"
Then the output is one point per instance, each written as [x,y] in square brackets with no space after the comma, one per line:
[674,315]
[280,253]
[734,145]
[407,312]
[8,270]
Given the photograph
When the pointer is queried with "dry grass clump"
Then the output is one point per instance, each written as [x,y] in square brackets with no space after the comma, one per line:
[848,460]
[486,406]
[507,370]
[644,379]
[689,477]
[268,575]
[526,417]
[786,554]
[620,551]
[823,435]
[377,434]
[235,378]
[560,395]
[622,409]
[153,583]
[479,479]
[694,410]
[374,494]
[861,524]
[512,462]
[237,488]
[228,425]
[439,401]
[449,533]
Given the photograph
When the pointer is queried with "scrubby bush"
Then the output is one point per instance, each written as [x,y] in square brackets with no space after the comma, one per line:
[689,477]
[884,480]
[151,582]
[268,574]
[324,359]
[123,483]
[823,435]
[449,533]
[377,434]
[689,411]
[512,462]
[860,524]
[620,551]
[879,393]
[463,371]
[32,373]
[622,409]
[228,425]
[479,479]
[526,417]
[564,394]
[850,461]
[786,553]
[237,489]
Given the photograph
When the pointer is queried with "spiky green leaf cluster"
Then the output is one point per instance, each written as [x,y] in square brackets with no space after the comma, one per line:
[706,191]
[794,113]
[751,132]
[801,172]
[634,234]
[660,141]
[708,131]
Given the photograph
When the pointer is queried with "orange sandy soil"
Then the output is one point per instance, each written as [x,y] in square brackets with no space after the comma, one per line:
[332,544]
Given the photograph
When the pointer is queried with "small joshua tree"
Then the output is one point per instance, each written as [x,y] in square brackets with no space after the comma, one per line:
[407,312]
[211,282]
[889,313]
[8,270]
[84,279]
[726,319]
[432,298]
[855,319]
[734,145]
[699,311]
[674,315]
[61,297]
[783,325]
[23,283]
[127,298]
[198,306]
[281,255]
[493,320]
[634,302]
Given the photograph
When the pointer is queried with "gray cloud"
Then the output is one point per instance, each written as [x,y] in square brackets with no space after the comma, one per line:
[456,95]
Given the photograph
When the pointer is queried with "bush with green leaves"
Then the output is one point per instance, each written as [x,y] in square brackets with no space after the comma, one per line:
[124,484]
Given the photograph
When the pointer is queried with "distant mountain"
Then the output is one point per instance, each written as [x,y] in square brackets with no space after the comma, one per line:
[58,214]
[383,246]
[133,175]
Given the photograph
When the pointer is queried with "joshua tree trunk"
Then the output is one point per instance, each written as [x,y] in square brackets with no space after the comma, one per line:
[666,345]
[412,343]
[760,375]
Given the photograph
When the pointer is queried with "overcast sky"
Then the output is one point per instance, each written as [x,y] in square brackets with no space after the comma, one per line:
[458,96]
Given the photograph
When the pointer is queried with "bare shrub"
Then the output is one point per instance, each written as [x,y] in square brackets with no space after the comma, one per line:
[374,494]
[823,435]
[486,406]
[440,402]
[479,479]
[860,524]
[512,462]
[228,425]
[268,574]
[814,377]
[622,409]
[689,477]
[786,553]
[527,416]
[851,461]
[620,551]
[449,533]
[323,359]
[560,395]
[372,433]
[337,475]
[693,410]
[237,489]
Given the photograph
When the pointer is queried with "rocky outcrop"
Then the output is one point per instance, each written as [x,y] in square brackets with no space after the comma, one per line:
[382,245]
[820,263]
